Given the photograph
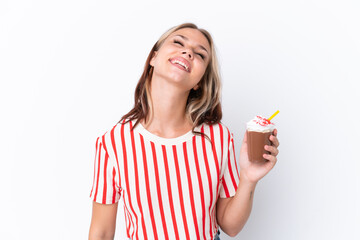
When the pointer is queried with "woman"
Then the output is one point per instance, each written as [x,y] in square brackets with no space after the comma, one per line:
[170,157]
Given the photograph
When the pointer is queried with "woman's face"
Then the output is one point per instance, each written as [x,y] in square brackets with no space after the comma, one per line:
[182,58]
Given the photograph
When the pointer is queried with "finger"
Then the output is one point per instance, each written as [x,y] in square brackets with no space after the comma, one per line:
[245,138]
[273,150]
[244,144]
[271,158]
[274,140]
[275,132]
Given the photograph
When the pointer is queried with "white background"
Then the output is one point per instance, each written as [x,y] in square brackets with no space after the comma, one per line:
[68,71]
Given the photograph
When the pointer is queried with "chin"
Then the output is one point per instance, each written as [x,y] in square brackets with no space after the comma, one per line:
[176,76]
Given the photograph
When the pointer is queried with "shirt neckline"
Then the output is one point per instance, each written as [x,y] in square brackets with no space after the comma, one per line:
[166,141]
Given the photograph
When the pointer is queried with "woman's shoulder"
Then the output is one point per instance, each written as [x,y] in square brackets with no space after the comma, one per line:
[115,129]
[114,135]
[217,128]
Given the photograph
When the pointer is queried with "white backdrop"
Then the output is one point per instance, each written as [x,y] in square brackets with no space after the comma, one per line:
[68,71]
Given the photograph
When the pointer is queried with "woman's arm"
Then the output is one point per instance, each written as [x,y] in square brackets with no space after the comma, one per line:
[103,221]
[232,213]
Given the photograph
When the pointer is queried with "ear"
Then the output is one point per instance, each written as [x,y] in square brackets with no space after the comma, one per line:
[196,87]
[153,58]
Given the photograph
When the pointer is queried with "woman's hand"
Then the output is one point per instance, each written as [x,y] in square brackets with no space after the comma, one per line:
[253,172]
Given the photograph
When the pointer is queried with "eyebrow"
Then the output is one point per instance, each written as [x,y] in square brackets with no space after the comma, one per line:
[201,46]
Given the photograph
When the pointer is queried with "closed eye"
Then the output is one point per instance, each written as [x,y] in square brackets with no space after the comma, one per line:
[175,41]
[202,56]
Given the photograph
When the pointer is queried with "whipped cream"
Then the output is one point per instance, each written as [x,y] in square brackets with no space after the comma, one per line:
[260,124]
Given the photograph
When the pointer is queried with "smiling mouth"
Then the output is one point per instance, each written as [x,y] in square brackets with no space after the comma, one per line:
[180,64]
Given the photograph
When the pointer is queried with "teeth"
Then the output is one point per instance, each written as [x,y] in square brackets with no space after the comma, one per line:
[181,63]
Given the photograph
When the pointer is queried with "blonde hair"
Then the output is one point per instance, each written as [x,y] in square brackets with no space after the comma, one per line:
[203,105]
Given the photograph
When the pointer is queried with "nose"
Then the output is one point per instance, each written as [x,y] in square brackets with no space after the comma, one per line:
[188,52]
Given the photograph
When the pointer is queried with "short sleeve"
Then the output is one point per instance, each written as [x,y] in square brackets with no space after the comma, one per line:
[104,189]
[230,177]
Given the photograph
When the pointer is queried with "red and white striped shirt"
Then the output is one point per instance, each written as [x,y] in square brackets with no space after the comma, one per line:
[169,186]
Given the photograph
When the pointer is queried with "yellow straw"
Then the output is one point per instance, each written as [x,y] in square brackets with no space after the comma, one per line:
[273,115]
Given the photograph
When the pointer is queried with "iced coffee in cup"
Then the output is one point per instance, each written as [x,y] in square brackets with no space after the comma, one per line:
[258,132]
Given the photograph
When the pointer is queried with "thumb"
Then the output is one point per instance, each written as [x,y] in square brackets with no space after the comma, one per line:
[245,138]
[244,143]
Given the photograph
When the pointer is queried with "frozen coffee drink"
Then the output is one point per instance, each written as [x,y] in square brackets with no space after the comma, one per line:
[258,132]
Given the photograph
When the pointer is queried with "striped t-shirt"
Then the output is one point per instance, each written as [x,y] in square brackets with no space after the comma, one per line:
[169,186]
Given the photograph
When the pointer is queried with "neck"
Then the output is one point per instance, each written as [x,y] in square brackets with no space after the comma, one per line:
[168,117]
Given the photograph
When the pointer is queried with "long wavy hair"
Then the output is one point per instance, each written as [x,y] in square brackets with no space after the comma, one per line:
[203,105]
